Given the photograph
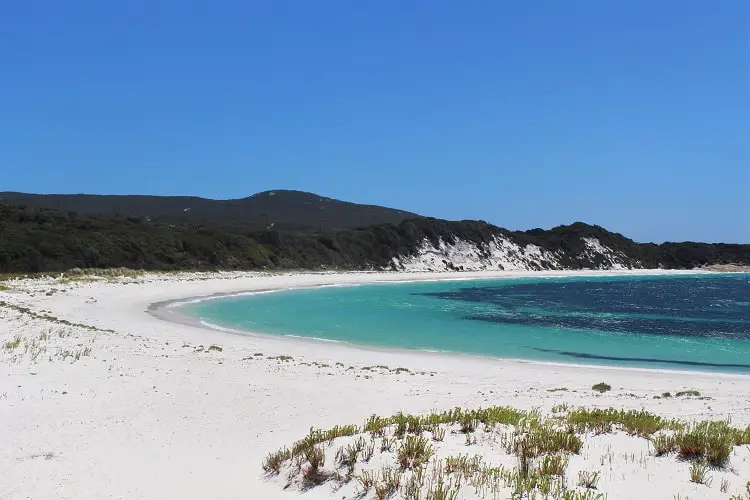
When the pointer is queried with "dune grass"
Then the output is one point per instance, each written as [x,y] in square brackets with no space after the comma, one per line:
[52,319]
[414,451]
[710,440]
[690,392]
[411,465]
[11,345]
[699,474]
[639,423]
[601,387]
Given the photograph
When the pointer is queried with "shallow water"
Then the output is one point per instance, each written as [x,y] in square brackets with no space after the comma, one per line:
[696,322]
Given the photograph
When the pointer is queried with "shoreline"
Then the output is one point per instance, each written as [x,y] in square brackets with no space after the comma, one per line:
[171,410]
[171,311]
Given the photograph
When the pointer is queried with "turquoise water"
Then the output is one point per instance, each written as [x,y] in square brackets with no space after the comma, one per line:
[695,322]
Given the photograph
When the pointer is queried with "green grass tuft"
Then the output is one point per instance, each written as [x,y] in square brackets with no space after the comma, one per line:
[415,451]
[601,387]
[11,345]
[699,474]
[690,392]
[712,440]
[588,479]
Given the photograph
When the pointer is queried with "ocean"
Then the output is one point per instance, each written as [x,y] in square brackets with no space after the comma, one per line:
[689,322]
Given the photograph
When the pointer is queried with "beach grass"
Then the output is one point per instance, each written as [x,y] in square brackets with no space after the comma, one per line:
[11,345]
[690,392]
[50,318]
[699,474]
[601,387]
[541,446]
[414,452]
[635,422]
[588,479]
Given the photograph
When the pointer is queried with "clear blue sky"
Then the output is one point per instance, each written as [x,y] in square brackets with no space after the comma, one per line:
[634,115]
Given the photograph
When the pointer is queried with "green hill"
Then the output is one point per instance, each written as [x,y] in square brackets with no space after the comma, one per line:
[281,209]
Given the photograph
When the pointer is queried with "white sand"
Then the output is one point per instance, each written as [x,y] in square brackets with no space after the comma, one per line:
[147,414]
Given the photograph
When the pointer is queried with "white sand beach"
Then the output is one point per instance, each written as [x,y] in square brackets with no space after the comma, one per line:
[100,398]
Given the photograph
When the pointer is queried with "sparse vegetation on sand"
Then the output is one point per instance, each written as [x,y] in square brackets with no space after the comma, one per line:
[281,358]
[690,392]
[31,348]
[11,345]
[76,274]
[49,318]
[413,456]
[699,474]
[601,387]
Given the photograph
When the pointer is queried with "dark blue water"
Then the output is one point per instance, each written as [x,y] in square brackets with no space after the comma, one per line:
[688,322]
[701,307]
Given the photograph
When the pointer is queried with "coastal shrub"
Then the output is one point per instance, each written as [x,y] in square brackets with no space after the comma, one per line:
[501,415]
[12,344]
[376,425]
[366,479]
[561,408]
[527,482]
[468,423]
[368,451]
[639,423]
[387,484]
[412,489]
[386,444]
[442,491]
[347,457]
[36,239]
[713,440]
[581,495]
[601,387]
[663,444]
[463,464]
[553,465]
[316,458]
[321,436]
[470,438]
[281,358]
[588,479]
[534,439]
[274,461]
[743,437]
[407,423]
[699,474]
[542,447]
[413,452]
[438,433]
[690,392]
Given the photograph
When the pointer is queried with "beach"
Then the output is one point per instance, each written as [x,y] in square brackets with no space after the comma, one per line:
[111,393]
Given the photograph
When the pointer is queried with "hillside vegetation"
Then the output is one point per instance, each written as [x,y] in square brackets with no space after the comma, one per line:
[41,240]
[280,209]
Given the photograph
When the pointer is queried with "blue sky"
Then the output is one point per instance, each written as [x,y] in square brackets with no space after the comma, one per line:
[634,115]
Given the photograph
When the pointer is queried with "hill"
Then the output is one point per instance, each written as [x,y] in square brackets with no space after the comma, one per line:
[282,209]
[40,240]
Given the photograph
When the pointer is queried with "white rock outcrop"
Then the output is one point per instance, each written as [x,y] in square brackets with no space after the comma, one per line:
[501,254]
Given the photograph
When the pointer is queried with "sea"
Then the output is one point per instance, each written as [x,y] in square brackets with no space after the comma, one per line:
[696,322]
